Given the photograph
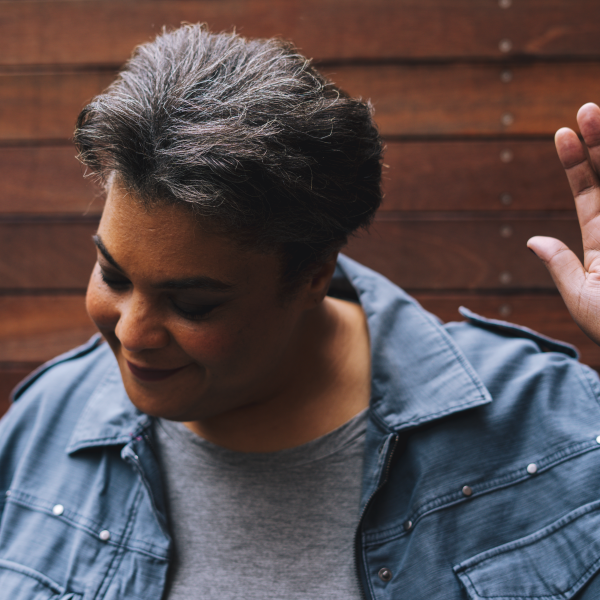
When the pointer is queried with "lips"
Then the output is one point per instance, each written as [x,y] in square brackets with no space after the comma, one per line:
[145,374]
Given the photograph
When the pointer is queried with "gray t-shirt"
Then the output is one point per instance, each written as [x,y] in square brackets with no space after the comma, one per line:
[250,526]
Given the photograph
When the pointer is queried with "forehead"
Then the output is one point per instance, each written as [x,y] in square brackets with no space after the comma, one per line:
[170,240]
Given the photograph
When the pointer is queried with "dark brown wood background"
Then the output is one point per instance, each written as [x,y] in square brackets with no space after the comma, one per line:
[468,94]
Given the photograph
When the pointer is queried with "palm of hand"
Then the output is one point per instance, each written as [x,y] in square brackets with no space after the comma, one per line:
[579,284]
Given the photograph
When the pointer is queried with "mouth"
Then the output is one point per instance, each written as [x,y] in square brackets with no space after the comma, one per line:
[145,374]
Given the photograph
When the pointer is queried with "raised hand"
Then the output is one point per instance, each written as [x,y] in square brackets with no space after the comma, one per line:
[579,284]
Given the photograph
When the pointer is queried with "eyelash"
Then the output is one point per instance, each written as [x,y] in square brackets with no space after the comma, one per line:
[194,315]
[115,284]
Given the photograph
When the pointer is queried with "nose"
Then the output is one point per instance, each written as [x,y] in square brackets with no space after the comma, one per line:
[140,326]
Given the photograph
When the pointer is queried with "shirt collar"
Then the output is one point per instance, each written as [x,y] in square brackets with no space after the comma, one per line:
[109,417]
[419,374]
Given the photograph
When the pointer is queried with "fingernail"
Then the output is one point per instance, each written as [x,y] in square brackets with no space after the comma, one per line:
[530,250]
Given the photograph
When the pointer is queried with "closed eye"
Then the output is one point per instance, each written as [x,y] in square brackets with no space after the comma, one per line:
[193,312]
[114,282]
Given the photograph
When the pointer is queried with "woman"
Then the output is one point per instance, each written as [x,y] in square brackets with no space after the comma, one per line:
[267,419]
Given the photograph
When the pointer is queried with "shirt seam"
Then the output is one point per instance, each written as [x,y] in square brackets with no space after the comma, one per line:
[516,476]
[21,498]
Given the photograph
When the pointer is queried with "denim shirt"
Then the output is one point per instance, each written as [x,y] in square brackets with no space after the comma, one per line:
[481,478]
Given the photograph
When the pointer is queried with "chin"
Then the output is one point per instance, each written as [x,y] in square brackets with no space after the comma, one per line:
[171,404]
[158,405]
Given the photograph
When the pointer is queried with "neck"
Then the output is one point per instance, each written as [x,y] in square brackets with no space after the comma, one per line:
[327,383]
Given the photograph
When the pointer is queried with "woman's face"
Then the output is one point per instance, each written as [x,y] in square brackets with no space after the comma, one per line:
[196,324]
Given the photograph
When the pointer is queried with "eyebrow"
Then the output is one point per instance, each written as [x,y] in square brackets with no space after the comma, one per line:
[187,283]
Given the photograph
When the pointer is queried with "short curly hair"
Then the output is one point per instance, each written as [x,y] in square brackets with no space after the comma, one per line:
[246,132]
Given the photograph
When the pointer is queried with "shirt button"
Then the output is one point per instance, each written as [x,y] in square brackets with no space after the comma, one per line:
[58,509]
[532,469]
[467,491]
[385,574]
[598,440]
[407,525]
[105,535]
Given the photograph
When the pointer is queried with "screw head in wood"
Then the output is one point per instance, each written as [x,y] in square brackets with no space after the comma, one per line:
[505,310]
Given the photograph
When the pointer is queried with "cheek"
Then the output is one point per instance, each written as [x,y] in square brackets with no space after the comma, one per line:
[211,345]
[240,346]
[100,304]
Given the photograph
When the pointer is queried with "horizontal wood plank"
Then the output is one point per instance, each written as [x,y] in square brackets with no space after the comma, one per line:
[545,314]
[33,329]
[474,175]
[472,99]
[45,180]
[42,106]
[101,32]
[463,253]
[410,100]
[46,255]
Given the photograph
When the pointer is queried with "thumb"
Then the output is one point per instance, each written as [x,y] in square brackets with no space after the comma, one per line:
[565,268]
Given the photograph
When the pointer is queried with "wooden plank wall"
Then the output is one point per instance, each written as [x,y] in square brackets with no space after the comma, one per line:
[468,94]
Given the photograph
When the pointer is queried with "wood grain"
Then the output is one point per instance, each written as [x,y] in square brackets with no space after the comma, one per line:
[104,32]
[455,253]
[472,99]
[45,180]
[34,329]
[46,255]
[410,100]
[38,106]
[474,175]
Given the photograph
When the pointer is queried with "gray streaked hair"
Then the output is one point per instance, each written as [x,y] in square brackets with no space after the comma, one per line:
[247,133]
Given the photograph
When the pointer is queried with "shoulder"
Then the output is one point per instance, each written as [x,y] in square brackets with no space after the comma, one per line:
[63,382]
[47,404]
[492,345]
[527,372]
[76,362]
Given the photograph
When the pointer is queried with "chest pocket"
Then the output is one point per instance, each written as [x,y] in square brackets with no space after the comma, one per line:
[18,582]
[553,563]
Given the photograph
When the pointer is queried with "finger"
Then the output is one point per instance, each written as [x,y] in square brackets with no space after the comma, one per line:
[586,192]
[580,174]
[565,268]
[588,119]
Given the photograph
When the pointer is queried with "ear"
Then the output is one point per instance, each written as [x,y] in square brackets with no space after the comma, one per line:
[319,283]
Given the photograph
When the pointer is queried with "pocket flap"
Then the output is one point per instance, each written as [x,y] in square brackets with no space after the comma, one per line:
[553,563]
